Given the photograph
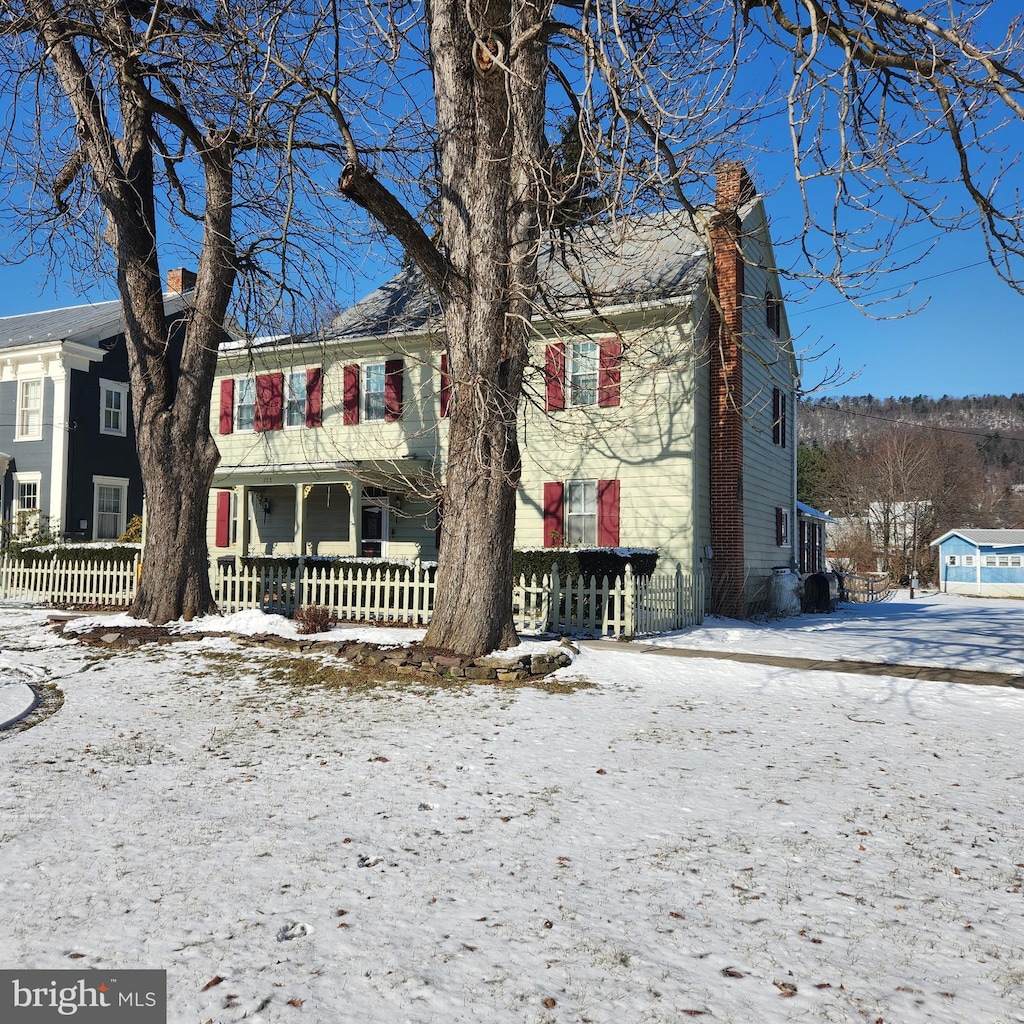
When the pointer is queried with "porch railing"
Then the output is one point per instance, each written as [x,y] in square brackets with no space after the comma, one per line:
[626,606]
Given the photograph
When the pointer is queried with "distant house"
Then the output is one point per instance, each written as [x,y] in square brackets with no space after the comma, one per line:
[660,411]
[984,562]
[67,439]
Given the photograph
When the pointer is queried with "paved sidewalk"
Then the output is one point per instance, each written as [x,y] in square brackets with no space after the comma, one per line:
[930,673]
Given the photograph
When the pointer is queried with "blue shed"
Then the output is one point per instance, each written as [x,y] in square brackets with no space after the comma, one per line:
[985,562]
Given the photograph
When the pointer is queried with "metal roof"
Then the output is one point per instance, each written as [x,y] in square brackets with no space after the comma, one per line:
[986,538]
[88,324]
[812,513]
[653,258]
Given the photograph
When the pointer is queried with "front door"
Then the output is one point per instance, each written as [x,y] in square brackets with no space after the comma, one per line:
[372,531]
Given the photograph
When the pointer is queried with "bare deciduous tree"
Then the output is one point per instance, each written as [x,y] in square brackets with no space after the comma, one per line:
[440,117]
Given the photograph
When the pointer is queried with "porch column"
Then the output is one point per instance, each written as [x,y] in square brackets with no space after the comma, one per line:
[355,503]
[301,493]
[244,525]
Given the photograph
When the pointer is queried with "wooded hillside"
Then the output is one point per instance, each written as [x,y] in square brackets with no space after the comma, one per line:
[920,466]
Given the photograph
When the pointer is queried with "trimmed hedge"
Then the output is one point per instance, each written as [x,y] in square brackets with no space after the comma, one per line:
[585,562]
[79,553]
[291,562]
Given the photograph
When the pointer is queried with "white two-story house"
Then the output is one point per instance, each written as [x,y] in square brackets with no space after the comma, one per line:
[659,411]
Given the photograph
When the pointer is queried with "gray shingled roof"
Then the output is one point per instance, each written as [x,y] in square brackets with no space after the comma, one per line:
[88,324]
[630,261]
[987,538]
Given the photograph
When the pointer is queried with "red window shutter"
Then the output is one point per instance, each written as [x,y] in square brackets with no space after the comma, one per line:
[446,386]
[350,407]
[554,496]
[269,414]
[608,513]
[314,397]
[554,374]
[223,537]
[393,374]
[227,406]
[778,527]
[609,373]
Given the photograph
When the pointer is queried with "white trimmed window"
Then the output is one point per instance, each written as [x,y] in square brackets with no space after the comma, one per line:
[110,503]
[581,513]
[25,507]
[584,365]
[245,403]
[30,410]
[295,397]
[952,559]
[113,407]
[968,559]
[374,399]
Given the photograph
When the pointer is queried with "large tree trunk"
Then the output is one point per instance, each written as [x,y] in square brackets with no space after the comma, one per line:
[177,470]
[490,122]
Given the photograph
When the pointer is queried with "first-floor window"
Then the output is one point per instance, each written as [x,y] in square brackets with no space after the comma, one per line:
[110,503]
[581,513]
[25,513]
[782,527]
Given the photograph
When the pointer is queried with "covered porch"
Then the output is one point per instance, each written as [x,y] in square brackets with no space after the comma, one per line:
[364,509]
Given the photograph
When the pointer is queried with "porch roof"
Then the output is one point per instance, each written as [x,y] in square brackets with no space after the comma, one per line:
[369,471]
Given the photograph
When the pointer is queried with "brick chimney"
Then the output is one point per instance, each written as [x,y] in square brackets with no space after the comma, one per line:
[733,188]
[180,280]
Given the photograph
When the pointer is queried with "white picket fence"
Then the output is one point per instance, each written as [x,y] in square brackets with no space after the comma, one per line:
[624,607]
[69,584]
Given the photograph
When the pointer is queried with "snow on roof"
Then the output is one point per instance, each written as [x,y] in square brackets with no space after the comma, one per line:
[662,256]
[985,538]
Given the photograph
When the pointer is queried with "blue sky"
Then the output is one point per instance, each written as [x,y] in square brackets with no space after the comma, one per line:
[966,340]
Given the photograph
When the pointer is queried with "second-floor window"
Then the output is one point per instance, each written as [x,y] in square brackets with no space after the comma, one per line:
[374,399]
[113,408]
[583,373]
[779,417]
[245,403]
[30,410]
[271,401]
[295,399]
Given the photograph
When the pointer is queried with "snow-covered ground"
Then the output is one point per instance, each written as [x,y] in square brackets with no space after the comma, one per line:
[685,839]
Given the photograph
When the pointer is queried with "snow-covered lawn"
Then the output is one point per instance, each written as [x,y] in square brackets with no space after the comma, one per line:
[684,839]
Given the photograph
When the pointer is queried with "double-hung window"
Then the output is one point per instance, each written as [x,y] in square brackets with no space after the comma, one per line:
[581,513]
[583,373]
[374,398]
[245,403]
[113,408]
[295,399]
[110,502]
[25,513]
[30,410]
